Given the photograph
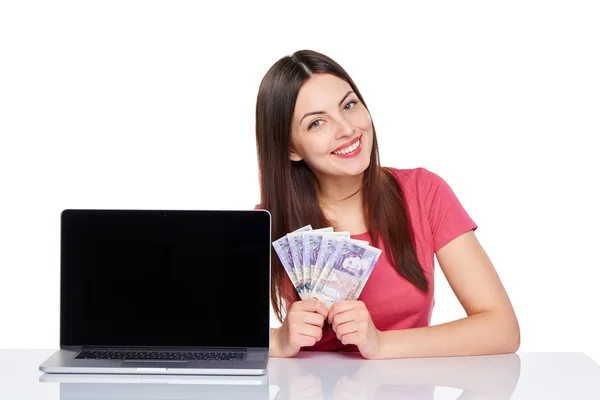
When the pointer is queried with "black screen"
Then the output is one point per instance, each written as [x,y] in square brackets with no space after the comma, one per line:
[165,278]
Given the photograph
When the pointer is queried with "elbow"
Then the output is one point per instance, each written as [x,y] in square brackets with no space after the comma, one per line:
[504,333]
[512,344]
[516,339]
[511,336]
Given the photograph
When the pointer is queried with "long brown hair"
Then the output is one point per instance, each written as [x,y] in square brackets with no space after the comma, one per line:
[288,188]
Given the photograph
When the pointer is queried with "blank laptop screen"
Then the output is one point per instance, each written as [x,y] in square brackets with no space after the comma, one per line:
[165,278]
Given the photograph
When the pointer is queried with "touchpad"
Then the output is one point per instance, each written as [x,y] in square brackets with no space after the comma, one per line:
[155,364]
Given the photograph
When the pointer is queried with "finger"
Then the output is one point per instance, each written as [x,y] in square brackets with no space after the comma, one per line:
[342,318]
[304,341]
[322,309]
[298,340]
[348,327]
[350,338]
[347,316]
[313,305]
[306,317]
[307,330]
[343,306]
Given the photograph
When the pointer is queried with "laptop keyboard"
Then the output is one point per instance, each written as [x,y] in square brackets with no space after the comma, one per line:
[160,355]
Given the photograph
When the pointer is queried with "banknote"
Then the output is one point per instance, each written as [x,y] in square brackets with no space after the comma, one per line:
[324,246]
[282,248]
[326,265]
[351,264]
[311,243]
[322,267]
[296,248]
[295,241]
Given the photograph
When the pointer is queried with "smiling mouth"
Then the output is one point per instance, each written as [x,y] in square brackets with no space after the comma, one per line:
[349,149]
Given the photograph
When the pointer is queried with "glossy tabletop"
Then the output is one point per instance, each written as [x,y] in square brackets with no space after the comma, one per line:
[325,376]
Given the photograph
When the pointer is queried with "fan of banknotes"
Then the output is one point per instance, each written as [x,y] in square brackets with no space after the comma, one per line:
[326,265]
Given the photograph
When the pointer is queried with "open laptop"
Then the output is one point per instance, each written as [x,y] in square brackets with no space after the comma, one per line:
[164,292]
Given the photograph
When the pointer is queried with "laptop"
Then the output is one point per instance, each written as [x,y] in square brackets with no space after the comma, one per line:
[164,292]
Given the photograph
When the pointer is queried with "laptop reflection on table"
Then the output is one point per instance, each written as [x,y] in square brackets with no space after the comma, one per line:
[159,387]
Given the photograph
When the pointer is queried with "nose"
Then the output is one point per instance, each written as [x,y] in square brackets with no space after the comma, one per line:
[345,128]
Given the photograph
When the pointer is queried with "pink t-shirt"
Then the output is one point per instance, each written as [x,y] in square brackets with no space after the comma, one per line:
[437,217]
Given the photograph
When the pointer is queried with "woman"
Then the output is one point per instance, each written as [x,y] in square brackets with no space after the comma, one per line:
[319,164]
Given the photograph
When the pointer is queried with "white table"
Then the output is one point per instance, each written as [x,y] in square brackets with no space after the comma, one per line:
[332,376]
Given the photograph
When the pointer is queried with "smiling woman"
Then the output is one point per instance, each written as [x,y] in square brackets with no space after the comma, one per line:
[319,164]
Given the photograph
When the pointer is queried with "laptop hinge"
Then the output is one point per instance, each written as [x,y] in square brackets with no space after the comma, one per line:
[71,347]
[158,348]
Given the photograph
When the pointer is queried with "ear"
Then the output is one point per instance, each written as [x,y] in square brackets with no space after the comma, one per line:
[294,156]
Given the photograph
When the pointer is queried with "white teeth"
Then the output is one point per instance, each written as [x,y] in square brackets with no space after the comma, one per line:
[349,149]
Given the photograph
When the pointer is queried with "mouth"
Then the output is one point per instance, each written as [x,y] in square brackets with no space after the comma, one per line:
[349,148]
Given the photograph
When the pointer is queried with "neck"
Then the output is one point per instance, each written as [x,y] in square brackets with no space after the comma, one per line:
[340,191]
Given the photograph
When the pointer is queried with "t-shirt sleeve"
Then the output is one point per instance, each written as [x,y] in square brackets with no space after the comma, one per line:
[447,217]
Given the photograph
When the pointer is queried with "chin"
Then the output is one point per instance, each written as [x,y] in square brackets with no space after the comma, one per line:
[356,170]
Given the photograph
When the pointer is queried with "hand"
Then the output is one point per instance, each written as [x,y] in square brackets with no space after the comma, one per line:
[352,324]
[303,326]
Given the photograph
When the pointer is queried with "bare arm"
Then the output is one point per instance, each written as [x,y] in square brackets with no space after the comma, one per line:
[490,327]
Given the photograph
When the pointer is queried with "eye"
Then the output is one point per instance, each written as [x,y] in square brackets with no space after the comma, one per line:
[347,104]
[312,125]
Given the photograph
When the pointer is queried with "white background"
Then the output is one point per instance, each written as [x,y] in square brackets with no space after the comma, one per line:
[122,104]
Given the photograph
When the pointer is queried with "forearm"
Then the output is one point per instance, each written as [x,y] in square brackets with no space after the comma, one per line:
[488,332]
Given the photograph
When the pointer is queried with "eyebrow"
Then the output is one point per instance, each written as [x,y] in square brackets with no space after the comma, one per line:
[323,112]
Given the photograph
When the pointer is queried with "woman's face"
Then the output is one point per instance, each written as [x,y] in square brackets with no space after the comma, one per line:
[331,129]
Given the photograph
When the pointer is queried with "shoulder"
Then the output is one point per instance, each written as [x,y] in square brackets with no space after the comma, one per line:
[430,193]
[428,190]
[416,180]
